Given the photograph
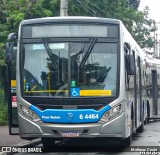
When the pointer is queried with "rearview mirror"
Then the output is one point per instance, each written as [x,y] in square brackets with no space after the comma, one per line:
[130,64]
[11,40]
[12,37]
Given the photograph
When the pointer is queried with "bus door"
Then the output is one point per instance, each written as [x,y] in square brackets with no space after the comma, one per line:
[11,51]
[139,104]
[154,92]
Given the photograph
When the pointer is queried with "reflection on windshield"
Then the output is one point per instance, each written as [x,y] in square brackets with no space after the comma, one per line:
[98,72]
[92,67]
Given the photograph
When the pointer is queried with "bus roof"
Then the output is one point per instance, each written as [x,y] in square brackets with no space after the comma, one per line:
[69,19]
[152,60]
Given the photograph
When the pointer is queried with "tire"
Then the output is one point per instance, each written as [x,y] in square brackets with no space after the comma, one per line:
[127,142]
[145,121]
[147,117]
[148,113]
[48,142]
[140,129]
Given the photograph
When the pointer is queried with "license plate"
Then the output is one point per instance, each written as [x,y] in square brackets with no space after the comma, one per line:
[70,134]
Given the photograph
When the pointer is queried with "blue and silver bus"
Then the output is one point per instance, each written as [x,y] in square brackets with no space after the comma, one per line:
[78,77]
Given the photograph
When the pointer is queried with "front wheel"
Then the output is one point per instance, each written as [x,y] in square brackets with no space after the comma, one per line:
[127,142]
[140,129]
[48,142]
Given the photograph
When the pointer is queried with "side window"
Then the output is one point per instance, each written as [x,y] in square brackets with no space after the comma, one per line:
[126,51]
[129,66]
[129,59]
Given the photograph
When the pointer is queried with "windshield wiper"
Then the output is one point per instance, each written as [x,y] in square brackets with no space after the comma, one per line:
[88,52]
[50,54]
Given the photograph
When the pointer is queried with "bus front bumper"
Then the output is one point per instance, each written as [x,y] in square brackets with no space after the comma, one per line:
[113,128]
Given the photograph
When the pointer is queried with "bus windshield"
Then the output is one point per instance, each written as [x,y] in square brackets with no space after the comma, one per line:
[70,69]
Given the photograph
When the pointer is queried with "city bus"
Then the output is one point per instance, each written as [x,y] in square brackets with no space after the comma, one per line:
[79,77]
[153,88]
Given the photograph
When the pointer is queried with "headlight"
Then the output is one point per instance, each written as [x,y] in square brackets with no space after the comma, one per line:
[29,114]
[116,110]
[25,110]
[112,113]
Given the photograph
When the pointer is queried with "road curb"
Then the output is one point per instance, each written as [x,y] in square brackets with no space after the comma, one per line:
[23,144]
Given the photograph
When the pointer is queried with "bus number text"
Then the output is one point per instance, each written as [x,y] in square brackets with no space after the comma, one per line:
[89,116]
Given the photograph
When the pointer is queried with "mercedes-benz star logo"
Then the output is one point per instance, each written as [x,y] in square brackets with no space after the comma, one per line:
[69,115]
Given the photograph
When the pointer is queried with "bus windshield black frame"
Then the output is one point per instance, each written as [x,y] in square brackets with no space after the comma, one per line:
[72,83]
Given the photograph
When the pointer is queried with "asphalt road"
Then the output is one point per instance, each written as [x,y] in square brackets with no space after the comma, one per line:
[149,140]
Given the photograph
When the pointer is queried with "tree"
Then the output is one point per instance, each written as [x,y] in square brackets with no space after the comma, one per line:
[143,29]
[140,26]
[12,12]
[134,4]
[137,22]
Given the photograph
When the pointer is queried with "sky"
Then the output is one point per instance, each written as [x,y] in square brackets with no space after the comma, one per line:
[154,13]
[154,6]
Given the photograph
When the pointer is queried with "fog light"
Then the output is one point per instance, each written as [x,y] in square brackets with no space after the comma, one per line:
[106,116]
[35,117]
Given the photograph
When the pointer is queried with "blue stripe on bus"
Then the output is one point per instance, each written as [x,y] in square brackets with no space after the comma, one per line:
[70,116]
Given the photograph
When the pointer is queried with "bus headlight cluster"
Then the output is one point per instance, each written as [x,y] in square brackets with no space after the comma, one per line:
[29,114]
[25,110]
[112,113]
